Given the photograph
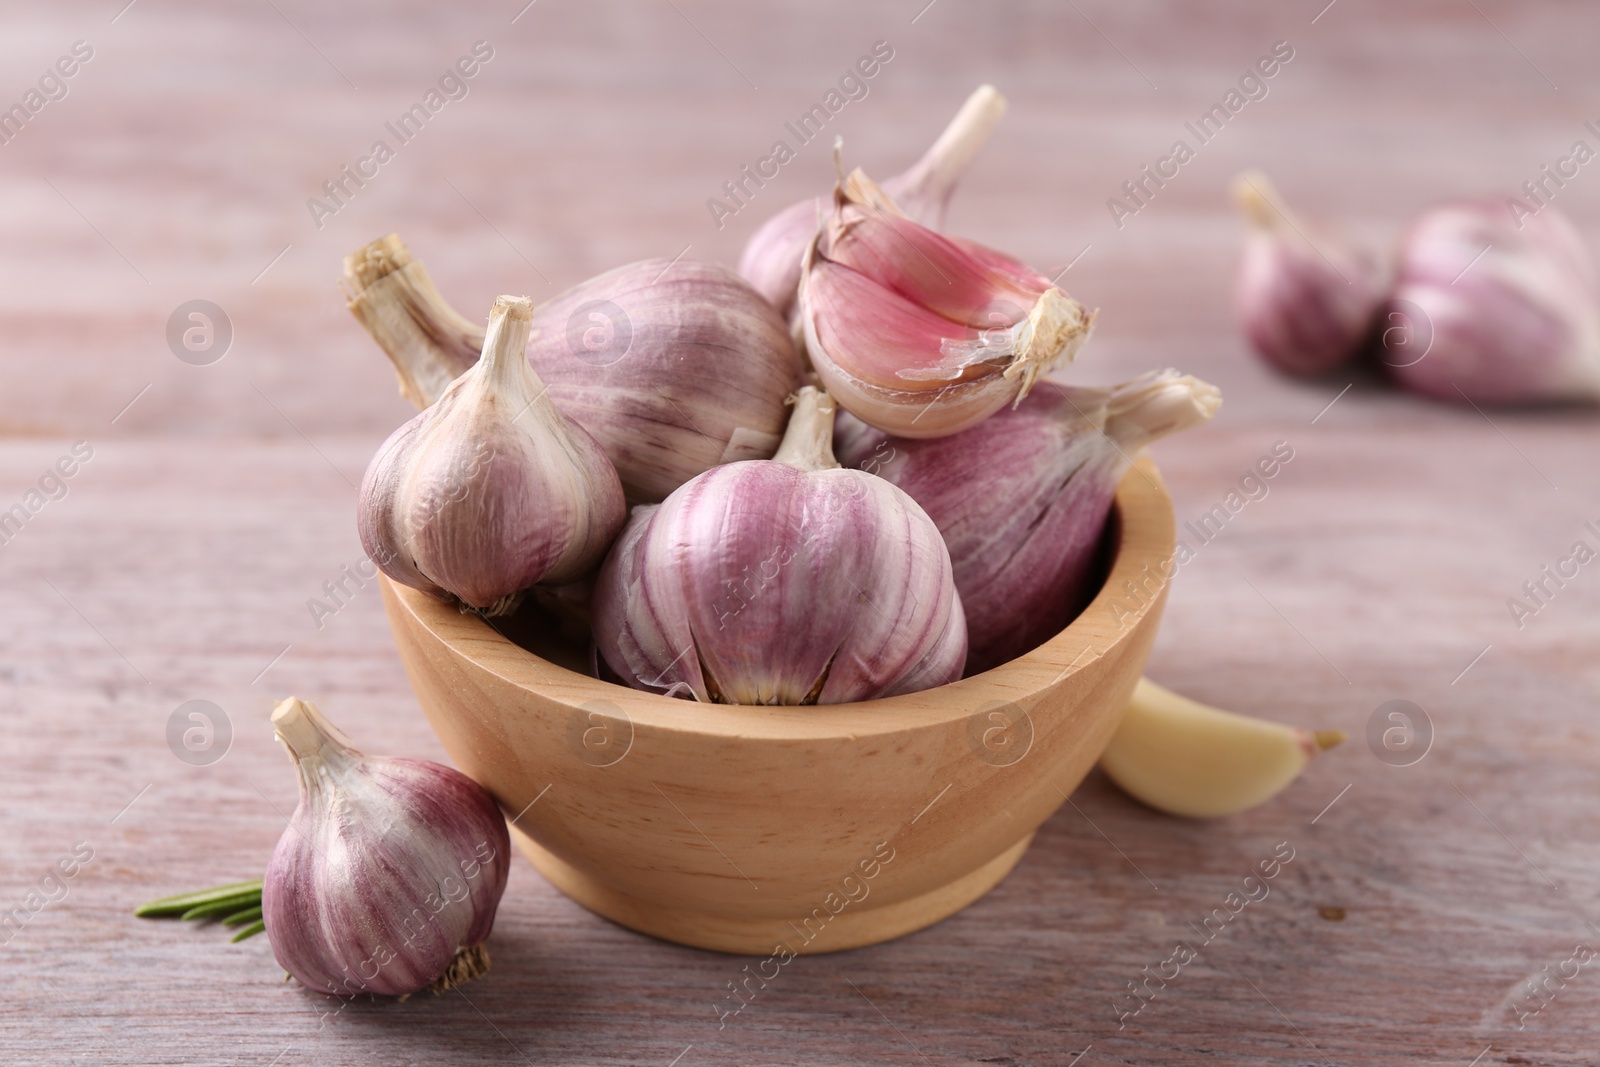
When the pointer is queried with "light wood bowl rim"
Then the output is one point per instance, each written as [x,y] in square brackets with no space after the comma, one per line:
[1147,538]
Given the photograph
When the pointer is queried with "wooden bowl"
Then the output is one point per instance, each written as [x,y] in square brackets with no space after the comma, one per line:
[789,830]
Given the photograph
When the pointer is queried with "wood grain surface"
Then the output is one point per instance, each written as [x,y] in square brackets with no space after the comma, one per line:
[1421,900]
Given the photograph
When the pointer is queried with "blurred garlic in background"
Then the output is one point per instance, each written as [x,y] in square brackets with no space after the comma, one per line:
[1305,301]
[1494,310]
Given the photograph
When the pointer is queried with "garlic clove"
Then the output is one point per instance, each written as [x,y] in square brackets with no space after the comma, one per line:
[388,877]
[1306,306]
[492,489]
[782,581]
[1494,310]
[672,367]
[771,259]
[1186,758]
[1022,498]
[919,334]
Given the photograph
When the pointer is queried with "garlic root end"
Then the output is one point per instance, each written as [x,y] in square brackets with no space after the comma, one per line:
[471,962]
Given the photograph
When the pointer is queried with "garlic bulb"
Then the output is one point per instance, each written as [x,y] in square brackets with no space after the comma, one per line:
[1306,306]
[1022,498]
[1494,310]
[782,581]
[771,260]
[672,367]
[491,489]
[389,874]
[920,334]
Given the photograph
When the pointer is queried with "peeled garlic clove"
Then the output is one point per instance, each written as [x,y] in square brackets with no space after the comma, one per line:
[771,260]
[492,489]
[782,581]
[1307,305]
[1494,310]
[389,874]
[919,334]
[1022,498]
[672,367]
[1185,758]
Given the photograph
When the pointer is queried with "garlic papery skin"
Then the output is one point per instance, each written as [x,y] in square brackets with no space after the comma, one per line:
[1022,498]
[782,581]
[389,874]
[672,366]
[1493,310]
[919,334]
[1305,301]
[391,294]
[771,259]
[492,489]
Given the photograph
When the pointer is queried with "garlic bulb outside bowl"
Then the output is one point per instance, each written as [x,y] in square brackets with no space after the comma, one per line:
[1486,309]
[814,828]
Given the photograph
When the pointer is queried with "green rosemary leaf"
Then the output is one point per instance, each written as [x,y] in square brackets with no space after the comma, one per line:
[223,906]
[182,902]
[242,917]
[249,931]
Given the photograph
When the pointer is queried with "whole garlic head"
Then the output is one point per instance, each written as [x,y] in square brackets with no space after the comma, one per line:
[1306,301]
[492,489]
[1493,310]
[782,581]
[389,875]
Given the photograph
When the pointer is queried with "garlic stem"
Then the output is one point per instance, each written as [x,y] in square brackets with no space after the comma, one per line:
[1157,405]
[808,442]
[931,179]
[307,734]
[430,343]
[504,345]
[1261,204]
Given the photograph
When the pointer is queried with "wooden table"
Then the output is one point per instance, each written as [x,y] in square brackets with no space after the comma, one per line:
[1421,899]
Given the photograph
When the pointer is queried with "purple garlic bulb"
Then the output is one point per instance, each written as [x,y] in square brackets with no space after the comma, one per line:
[673,366]
[492,489]
[782,581]
[771,260]
[1494,309]
[389,874]
[1022,498]
[1306,302]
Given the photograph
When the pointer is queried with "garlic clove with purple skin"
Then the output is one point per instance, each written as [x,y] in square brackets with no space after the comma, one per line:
[1491,309]
[1306,305]
[782,581]
[672,367]
[771,259]
[388,877]
[920,334]
[1022,498]
[492,489]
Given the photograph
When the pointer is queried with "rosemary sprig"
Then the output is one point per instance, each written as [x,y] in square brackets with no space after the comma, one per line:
[234,904]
